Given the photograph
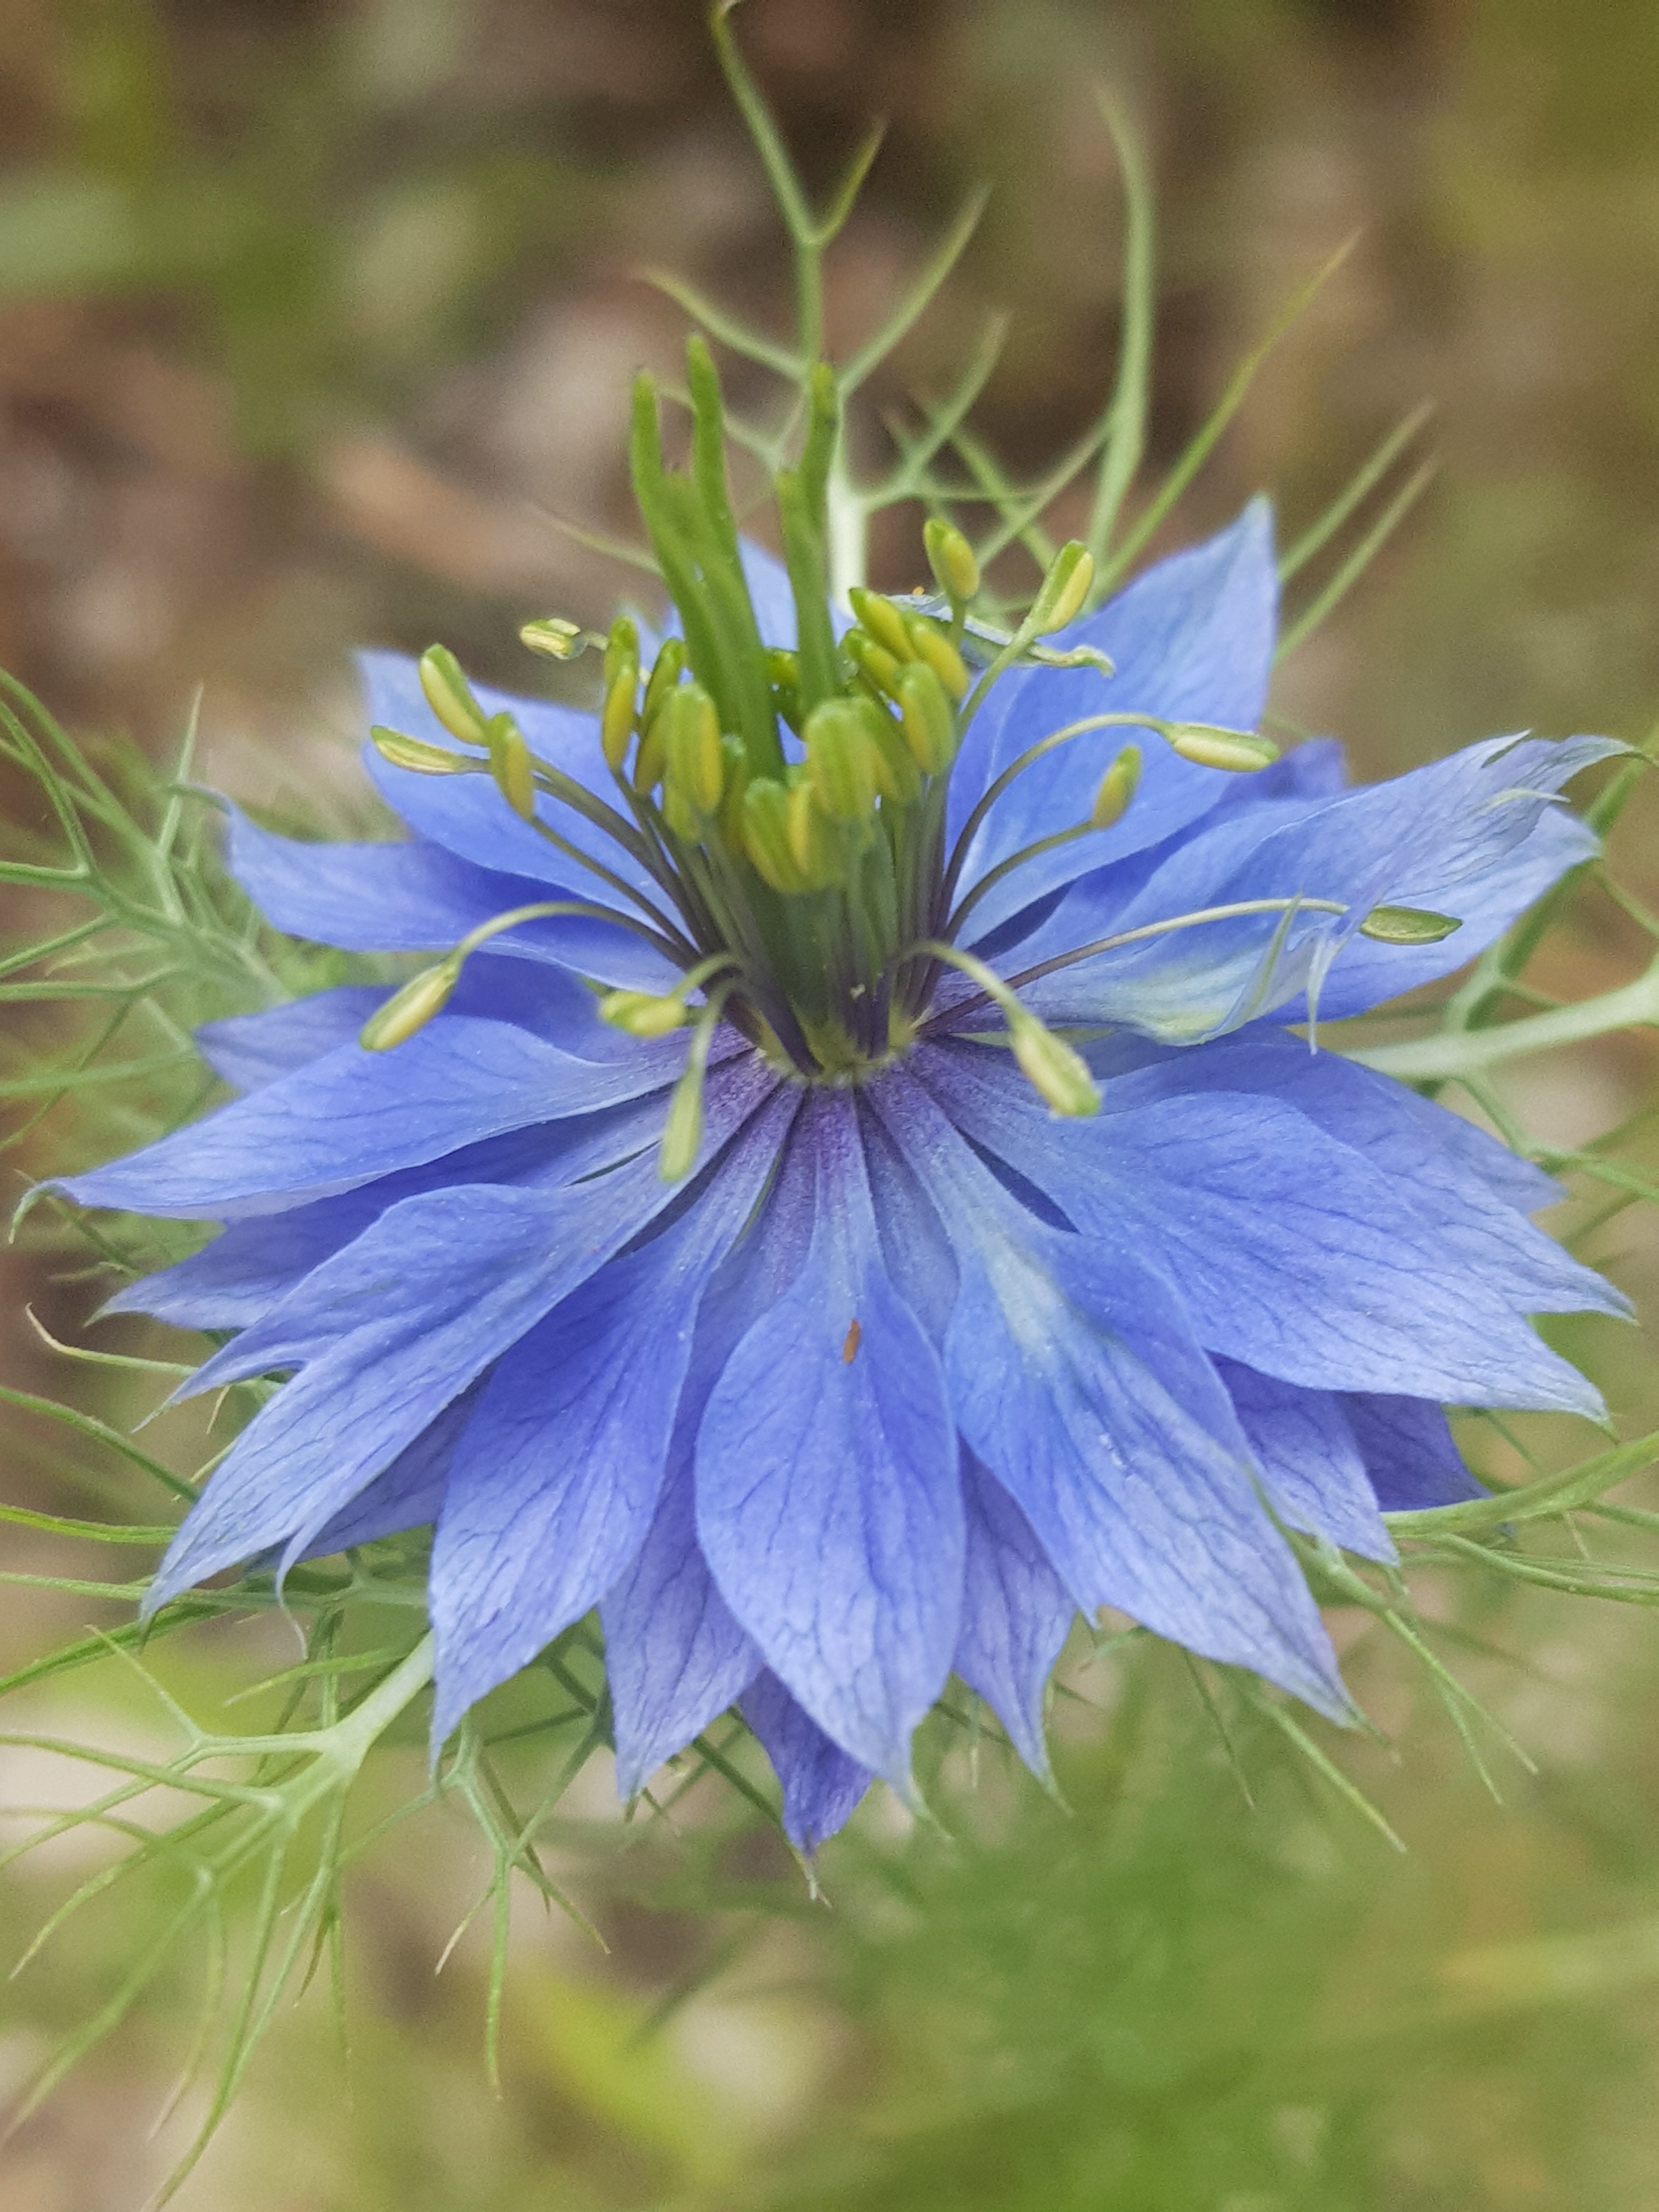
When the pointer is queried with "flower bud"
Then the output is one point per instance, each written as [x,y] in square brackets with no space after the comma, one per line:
[617,716]
[1117,788]
[933,646]
[510,765]
[950,557]
[450,695]
[412,1008]
[554,638]
[399,752]
[842,760]
[1053,1069]
[881,620]
[1407,924]
[1211,747]
[643,1013]
[930,727]
[1064,589]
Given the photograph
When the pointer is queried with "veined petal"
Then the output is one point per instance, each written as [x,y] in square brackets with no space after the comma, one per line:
[1311,1464]
[1016,1613]
[1407,1445]
[555,1480]
[822,1786]
[1137,1503]
[1435,837]
[390,1330]
[829,1502]
[1293,1253]
[407,1494]
[238,1277]
[354,1116]
[420,898]
[1193,640]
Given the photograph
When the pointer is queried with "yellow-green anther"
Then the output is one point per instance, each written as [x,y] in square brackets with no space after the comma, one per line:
[1241,752]
[815,845]
[399,752]
[841,762]
[695,762]
[950,557]
[783,673]
[554,637]
[412,1008]
[765,823]
[617,716]
[873,660]
[652,756]
[450,695]
[1065,588]
[933,646]
[511,765]
[1055,1071]
[665,673]
[643,1013]
[622,648]
[930,726]
[897,772]
[880,619]
[1117,788]
[1407,924]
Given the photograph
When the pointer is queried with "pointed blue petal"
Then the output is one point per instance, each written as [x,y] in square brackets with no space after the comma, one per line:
[354,1116]
[390,1331]
[828,1506]
[674,1657]
[822,1786]
[1309,1463]
[1407,1445]
[409,1493]
[556,1481]
[1434,838]
[241,1274]
[1136,1503]
[1016,1613]
[249,1050]
[420,898]
[1193,640]
[1292,1254]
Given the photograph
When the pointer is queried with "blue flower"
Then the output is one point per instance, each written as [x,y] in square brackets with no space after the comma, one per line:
[898,1370]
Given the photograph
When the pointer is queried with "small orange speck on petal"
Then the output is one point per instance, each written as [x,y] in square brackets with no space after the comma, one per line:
[849,1349]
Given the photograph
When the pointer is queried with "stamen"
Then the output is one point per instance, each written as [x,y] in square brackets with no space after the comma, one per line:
[681,1135]
[556,638]
[1117,787]
[1407,924]
[653,1014]
[951,559]
[450,695]
[1053,1070]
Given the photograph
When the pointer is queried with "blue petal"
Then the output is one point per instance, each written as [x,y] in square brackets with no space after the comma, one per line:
[419,898]
[828,1505]
[1193,640]
[822,1786]
[354,1116]
[393,1328]
[555,1482]
[1054,1359]
[1311,1465]
[409,1493]
[249,1050]
[1432,838]
[1292,1254]
[1447,1167]
[241,1274]
[467,813]
[1016,1613]
[674,1657]
[1407,1445]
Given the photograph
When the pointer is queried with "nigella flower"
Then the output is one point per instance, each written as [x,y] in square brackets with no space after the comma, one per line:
[853,1195]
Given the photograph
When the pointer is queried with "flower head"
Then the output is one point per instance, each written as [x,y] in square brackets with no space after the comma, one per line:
[847,1196]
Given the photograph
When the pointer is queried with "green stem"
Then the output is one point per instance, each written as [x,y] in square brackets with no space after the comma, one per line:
[1465,1052]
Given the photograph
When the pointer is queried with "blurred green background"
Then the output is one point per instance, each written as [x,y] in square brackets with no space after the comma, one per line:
[309,315]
